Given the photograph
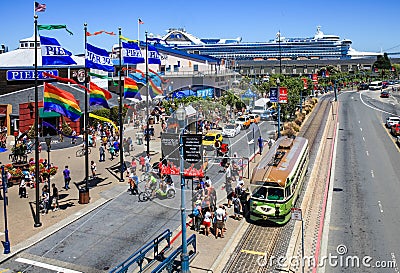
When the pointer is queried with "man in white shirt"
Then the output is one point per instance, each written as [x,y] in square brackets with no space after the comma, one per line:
[219,225]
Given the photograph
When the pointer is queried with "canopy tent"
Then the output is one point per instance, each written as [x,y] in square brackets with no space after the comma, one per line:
[249,94]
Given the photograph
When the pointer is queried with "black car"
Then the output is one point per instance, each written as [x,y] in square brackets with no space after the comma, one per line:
[363,86]
[384,94]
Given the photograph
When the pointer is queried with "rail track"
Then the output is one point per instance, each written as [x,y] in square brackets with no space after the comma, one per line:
[259,244]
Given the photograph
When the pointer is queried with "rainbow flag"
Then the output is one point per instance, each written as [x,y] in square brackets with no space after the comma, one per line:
[98,96]
[60,101]
[131,89]
[155,89]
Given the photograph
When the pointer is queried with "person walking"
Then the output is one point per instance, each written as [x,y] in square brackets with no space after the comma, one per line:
[67,177]
[260,144]
[133,184]
[142,163]
[102,151]
[54,197]
[93,168]
[219,225]
[147,160]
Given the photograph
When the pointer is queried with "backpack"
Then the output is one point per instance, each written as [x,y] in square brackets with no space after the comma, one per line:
[196,211]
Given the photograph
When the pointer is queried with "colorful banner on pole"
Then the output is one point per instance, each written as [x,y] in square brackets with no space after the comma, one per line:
[153,55]
[97,58]
[53,53]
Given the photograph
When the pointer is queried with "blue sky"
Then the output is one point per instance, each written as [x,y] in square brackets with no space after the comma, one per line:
[371,25]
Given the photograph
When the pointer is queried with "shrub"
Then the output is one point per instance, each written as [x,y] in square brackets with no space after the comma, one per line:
[289,132]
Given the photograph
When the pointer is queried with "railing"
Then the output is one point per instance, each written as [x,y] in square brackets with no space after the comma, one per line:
[169,262]
[139,256]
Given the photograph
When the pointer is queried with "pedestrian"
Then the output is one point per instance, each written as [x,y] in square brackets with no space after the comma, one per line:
[93,168]
[207,222]
[133,165]
[147,160]
[197,216]
[219,224]
[229,191]
[133,184]
[260,144]
[73,135]
[112,152]
[67,177]
[45,200]
[22,189]
[237,207]
[142,163]
[54,200]
[102,151]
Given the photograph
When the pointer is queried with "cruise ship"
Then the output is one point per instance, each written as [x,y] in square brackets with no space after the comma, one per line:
[321,46]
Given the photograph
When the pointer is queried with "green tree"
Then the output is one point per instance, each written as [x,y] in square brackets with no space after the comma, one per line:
[382,62]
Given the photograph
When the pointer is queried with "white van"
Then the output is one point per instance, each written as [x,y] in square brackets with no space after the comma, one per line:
[260,106]
[376,85]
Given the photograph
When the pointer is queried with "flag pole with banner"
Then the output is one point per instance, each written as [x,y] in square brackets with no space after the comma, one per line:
[121,124]
[147,134]
[140,22]
[85,124]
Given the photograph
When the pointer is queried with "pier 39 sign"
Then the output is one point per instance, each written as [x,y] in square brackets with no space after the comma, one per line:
[27,75]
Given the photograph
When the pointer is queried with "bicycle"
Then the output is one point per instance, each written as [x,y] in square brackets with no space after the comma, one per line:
[146,195]
[81,152]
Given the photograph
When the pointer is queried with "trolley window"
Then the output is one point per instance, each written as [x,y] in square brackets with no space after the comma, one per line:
[267,193]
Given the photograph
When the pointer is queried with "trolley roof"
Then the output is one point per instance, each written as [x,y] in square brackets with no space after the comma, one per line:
[279,162]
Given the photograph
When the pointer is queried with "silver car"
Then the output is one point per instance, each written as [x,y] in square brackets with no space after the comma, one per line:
[231,130]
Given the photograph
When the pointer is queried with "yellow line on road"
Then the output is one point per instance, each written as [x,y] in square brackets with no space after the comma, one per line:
[253,252]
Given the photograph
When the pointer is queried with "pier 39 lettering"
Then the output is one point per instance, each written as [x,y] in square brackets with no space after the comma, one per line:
[98,59]
[133,52]
[23,75]
[51,50]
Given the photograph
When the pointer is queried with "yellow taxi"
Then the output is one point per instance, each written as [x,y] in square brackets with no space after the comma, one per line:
[243,121]
[254,118]
[211,137]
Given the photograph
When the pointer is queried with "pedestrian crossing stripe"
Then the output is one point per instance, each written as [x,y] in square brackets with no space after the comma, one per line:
[46,266]
[253,252]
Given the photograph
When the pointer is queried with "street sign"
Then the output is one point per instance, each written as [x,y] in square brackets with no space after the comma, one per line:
[192,147]
[283,97]
[273,94]
[296,214]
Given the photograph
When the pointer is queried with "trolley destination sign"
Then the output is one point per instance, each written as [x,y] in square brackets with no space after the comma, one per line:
[192,147]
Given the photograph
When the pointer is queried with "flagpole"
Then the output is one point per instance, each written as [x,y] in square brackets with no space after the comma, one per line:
[36,124]
[147,99]
[121,124]
[138,32]
[86,123]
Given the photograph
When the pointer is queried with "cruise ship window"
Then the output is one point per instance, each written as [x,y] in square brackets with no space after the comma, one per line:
[196,67]
[176,68]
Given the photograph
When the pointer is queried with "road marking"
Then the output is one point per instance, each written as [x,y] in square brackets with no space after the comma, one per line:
[253,252]
[359,122]
[364,139]
[360,129]
[47,266]
[372,173]
[367,153]
[380,206]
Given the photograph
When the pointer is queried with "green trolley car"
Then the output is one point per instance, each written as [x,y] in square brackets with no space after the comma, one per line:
[277,180]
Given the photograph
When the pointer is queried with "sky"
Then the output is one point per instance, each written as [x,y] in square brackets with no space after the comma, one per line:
[370,25]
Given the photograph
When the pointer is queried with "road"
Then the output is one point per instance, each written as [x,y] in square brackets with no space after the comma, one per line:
[364,216]
[99,241]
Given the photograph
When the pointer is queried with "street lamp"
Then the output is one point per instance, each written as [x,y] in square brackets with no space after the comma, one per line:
[47,139]
[6,243]
[181,116]
[278,81]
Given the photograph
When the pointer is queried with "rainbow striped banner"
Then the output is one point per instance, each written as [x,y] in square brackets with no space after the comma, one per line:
[131,89]
[98,96]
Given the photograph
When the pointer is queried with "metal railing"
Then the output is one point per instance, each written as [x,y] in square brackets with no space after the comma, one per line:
[139,256]
[169,262]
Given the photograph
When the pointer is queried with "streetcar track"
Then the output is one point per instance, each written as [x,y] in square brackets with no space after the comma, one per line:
[265,239]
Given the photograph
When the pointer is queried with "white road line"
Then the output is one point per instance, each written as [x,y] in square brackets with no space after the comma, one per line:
[364,139]
[372,107]
[359,121]
[372,173]
[367,153]
[47,266]
[380,206]
[360,129]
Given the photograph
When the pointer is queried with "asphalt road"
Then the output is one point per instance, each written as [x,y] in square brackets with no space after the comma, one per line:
[364,219]
[101,240]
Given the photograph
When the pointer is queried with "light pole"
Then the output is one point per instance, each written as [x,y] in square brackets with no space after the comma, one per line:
[278,81]
[121,123]
[181,116]
[47,139]
[6,243]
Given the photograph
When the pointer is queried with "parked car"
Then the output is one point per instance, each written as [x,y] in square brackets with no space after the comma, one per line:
[390,121]
[384,94]
[231,130]
[243,121]
[363,86]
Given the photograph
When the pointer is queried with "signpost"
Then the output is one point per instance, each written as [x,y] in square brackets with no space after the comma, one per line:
[283,97]
[273,94]
[192,144]
[297,216]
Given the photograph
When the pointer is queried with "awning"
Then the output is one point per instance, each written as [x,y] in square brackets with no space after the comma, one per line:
[44,114]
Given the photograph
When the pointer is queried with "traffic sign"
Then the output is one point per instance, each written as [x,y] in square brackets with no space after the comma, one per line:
[192,147]
[296,214]
[283,97]
[273,94]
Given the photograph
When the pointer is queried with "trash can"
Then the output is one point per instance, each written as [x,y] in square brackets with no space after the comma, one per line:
[139,138]
[83,195]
